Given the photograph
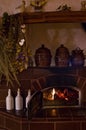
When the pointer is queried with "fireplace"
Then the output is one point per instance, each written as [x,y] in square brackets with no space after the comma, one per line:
[57,89]
[54,98]
[59,97]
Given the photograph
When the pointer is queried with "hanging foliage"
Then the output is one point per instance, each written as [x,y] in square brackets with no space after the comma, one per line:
[13,55]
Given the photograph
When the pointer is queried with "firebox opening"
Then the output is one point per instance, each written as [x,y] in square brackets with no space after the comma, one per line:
[63,96]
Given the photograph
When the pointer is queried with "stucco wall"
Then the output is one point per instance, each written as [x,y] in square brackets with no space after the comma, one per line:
[10,5]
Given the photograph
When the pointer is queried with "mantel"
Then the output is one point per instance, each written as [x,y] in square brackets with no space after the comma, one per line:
[55,17]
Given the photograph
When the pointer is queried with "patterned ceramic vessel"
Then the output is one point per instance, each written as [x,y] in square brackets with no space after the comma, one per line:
[62,57]
[43,57]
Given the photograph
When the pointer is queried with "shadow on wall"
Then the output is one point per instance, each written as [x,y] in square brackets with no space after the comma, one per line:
[52,35]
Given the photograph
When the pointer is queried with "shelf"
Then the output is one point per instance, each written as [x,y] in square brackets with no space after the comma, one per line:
[55,17]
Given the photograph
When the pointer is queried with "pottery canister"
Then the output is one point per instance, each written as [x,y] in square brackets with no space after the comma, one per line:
[77,57]
[43,56]
[62,56]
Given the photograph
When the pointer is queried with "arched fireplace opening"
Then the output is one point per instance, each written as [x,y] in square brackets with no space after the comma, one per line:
[60,89]
[61,96]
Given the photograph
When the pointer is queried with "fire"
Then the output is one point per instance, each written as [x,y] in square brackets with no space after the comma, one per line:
[62,95]
[53,93]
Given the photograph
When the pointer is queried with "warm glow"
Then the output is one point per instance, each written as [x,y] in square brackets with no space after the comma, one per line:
[53,93]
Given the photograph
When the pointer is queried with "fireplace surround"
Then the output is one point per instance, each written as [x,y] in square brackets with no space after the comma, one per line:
[52,99]
[39,78]
[42,78]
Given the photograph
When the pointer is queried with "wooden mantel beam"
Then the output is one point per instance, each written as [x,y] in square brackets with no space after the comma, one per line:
[55,17]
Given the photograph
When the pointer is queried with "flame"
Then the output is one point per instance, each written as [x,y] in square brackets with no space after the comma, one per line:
[53,93]
[63,95]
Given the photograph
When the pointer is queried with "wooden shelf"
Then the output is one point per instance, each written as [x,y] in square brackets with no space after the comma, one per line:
[55,17]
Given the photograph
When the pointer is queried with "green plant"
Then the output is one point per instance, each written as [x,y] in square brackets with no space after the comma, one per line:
[64,8]
[14,51]
[38,4]
[6,67]
[7,50]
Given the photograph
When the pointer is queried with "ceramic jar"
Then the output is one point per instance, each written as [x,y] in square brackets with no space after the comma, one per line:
[62,57]
[18,101]
[9,101]
[28,98]
[77,57]
[43,57]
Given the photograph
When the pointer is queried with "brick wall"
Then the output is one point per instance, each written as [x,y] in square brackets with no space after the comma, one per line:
[39,78]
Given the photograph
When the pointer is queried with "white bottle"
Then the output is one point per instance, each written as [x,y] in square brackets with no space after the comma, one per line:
[9,101]
[28,97]
[18,101]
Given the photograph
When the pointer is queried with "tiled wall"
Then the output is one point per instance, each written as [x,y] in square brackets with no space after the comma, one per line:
[11,122]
